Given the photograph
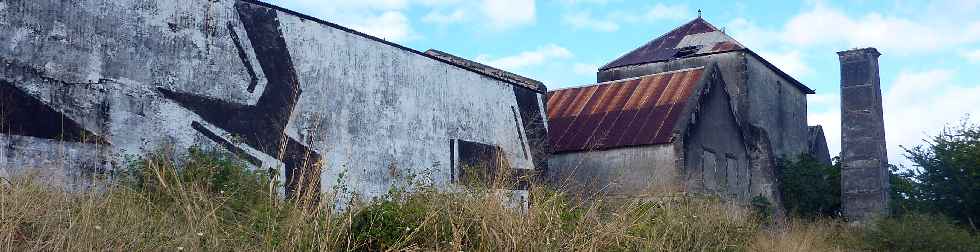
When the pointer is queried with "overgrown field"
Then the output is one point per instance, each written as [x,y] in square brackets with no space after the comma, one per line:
[208,201]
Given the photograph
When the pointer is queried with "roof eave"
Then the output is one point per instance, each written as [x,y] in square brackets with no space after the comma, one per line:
[376,39]
[799,85]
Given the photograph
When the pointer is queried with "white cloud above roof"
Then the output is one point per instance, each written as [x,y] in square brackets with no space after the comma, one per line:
[973,56]
[525,59]
[917,105]
[824,25]
[585,20]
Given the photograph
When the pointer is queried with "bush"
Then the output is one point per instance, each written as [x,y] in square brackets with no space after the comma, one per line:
[164,179]
[808,188]
[385,224]
[946,176]
[920,232]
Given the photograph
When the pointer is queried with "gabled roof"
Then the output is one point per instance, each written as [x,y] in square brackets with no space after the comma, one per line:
[697,37]
[630,112]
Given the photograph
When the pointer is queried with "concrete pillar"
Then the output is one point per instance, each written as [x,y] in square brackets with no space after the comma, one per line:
[864,170]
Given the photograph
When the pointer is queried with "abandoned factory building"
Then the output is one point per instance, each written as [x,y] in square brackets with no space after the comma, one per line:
[85,84]
[692,110]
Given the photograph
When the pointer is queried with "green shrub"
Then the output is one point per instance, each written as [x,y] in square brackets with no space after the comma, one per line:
[244,195]
[808,188]
[945,177]
[385,224]
[920,232]
[762,207]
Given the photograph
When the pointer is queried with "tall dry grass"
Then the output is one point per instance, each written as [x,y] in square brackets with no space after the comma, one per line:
[209,202]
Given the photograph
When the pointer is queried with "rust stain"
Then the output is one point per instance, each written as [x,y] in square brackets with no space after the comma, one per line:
[666,47]
[631,112]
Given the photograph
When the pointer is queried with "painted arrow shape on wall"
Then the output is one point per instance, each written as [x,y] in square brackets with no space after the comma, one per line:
[262,125]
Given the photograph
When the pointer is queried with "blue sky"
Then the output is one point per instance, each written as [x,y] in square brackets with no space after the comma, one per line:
[929,67]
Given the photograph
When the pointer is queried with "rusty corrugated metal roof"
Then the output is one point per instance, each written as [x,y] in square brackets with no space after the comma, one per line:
[631,112]
[697,37]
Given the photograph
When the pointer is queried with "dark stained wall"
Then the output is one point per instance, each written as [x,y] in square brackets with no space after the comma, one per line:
[818,145]
[761,96]
[299,95]
[715,155]
[864,158]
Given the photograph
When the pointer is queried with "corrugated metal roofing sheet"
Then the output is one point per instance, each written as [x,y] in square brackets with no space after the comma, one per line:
[631,112]
[698,37]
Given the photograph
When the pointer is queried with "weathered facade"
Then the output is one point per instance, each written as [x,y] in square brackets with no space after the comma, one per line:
[768,106]
[764,96]
[864,158]
[817,143]
[663,132]
[86,83]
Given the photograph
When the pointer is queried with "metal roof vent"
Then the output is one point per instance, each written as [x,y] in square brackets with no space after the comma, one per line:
[686,51]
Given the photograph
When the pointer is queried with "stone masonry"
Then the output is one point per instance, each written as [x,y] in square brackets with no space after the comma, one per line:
[864,174]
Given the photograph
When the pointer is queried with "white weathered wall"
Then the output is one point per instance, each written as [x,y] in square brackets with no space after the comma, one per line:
[630,171]
[373,111]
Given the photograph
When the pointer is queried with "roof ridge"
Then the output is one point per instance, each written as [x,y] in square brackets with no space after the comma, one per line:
[658,39]
[702,37]
[629,79]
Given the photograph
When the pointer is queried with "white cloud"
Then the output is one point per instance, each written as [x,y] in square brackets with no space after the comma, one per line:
[575,2]
[587,21]
[390,25]
[662,11]
[388,19]
[585,69]
[972,56]
[654,13]
[380,18]
[504,14]
[917,105]
[830,121]
[890,31]
[751,35]
[440,2]
[497,15]
[528,58]
[358,4]
[443,18]
[613,19]
[791,62]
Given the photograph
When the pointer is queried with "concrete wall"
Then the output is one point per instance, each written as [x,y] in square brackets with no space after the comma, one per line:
[778,107]
[715,156]
[818,145]
[761,96]
[125,77]
[630,171]
[864,158]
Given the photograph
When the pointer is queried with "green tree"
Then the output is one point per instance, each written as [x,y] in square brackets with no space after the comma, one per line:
[945,177]
[810,188]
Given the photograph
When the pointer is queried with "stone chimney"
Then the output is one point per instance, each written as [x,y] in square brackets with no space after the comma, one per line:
[864,161]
